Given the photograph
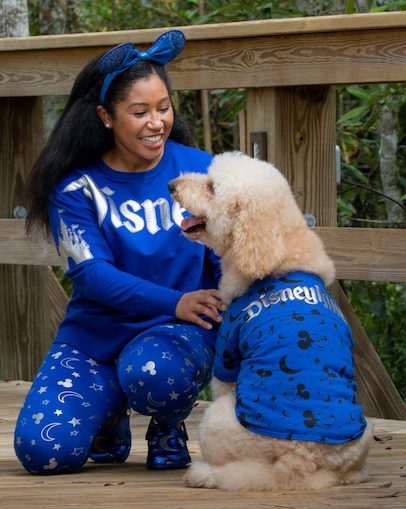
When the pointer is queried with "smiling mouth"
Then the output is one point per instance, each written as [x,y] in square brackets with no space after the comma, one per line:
[152,139]
[193,224]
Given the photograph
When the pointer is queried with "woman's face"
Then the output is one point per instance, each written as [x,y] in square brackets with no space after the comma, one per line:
[141,125]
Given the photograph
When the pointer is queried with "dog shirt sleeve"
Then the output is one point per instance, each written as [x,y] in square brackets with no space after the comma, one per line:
[227,360]
[88,261]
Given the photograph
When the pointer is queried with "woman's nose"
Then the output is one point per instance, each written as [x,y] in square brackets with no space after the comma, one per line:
[155,121]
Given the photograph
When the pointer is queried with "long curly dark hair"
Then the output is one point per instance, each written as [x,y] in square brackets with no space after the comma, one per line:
[79,138]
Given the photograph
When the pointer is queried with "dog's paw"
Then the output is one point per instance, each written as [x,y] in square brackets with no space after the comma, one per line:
[199,475]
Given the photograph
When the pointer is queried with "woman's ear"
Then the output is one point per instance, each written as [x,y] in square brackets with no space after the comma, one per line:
[258,246]
[104,116]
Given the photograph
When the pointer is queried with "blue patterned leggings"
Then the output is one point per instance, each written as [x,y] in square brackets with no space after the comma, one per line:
[159,373]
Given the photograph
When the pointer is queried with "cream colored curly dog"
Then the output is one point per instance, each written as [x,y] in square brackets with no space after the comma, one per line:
[285,414]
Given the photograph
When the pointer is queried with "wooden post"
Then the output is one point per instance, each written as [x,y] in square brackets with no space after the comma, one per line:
[300,123]
[24,306]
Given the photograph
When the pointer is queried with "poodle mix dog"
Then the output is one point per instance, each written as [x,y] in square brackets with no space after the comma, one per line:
[285,414]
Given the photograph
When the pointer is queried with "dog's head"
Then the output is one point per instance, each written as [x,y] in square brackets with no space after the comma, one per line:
[244,209]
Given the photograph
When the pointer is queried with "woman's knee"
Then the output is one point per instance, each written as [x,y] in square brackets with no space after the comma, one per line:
[45,456]
[159,375]
[63,411]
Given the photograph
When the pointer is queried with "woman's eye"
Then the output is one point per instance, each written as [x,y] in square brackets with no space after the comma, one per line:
[139,113]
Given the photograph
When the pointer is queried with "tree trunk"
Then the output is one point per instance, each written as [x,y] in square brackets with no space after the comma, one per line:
[55,17]
[362,5]
[389,167]
[14,18]
[321,7]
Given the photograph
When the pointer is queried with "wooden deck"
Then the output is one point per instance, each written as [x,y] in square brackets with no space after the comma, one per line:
[131,486]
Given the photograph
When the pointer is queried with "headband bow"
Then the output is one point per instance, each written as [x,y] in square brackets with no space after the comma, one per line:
[122,57]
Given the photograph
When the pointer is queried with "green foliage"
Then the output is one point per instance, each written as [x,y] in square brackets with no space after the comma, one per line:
[33,16]
[382,309]
[361,201]
[396,5]
[133,14]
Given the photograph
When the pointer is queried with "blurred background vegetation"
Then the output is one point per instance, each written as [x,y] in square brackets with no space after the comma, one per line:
[371,128]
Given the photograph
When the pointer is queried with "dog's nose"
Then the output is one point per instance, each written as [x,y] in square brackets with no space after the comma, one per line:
[172,186]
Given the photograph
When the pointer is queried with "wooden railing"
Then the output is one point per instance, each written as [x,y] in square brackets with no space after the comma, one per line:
[288,68]
[359,253]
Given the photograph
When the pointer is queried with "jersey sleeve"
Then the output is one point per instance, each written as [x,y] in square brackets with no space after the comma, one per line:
[88,261]
[227,360]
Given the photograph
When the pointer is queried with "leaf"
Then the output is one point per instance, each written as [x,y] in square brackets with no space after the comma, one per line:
[345,206]
[353,171]
[354,114]
[359,92]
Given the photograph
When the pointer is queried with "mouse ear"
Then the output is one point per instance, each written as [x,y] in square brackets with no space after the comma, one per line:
[257,241]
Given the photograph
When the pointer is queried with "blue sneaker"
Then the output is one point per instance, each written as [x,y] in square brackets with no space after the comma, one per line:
[167,447]
[113,445]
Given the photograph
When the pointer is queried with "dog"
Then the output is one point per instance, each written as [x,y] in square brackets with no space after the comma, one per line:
[284,414]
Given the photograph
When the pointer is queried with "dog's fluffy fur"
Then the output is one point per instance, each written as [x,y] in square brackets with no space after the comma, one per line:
[244,209]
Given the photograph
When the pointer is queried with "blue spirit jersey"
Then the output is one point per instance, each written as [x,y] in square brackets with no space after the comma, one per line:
[119,238]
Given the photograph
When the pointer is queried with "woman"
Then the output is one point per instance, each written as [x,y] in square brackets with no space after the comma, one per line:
[140,325]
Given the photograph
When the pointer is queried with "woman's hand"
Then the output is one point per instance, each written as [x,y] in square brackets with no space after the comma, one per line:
[201,302]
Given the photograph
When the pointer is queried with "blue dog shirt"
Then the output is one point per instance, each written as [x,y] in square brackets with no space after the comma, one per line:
[289,348]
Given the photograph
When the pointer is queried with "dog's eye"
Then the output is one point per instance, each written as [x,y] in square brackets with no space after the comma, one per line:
[210,187]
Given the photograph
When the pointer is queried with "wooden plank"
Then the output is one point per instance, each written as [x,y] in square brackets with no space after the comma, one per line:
[24,313]
[367,254]
[131,485]
[376,391]
[286,26]
[15,248]
[58,302]
[369,56]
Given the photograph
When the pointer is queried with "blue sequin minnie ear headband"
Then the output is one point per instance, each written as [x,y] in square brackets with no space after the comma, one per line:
[122,57]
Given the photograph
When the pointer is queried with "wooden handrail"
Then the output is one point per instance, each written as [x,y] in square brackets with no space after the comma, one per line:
[251,29]
[368,254]
[269,53]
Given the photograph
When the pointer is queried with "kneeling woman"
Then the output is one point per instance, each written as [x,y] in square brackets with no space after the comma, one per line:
[140,326]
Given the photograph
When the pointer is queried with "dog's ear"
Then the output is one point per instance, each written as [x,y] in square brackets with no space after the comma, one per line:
[258,246]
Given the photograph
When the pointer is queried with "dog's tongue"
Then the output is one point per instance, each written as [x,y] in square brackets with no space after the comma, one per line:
[189,222]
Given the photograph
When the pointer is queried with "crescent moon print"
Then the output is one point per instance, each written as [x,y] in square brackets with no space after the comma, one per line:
[285,368]
[66,394]
[153,402]
[46,429]
[65,362]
